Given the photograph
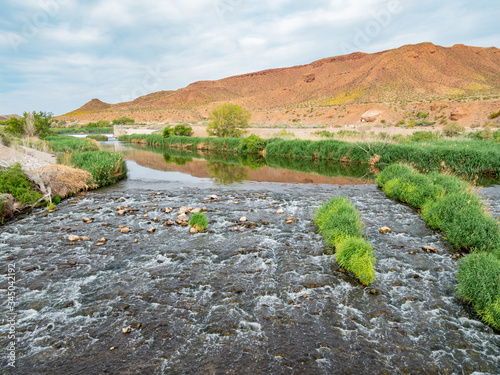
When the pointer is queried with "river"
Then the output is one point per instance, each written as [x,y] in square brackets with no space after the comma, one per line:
[259,297]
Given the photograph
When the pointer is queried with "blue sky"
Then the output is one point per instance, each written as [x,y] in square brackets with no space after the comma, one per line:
[55,55]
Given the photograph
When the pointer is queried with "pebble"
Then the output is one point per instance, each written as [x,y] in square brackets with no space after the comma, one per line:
[280,211]
[73,238]
[125,230]
[385,230]
[243,219]
[126,330]
[151,230]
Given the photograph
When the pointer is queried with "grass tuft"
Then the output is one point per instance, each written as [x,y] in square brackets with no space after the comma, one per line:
[340,225]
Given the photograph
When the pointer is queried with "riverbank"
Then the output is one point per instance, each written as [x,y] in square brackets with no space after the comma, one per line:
[468,158]
[80,169]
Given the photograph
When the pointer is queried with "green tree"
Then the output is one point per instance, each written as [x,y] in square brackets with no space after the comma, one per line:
[15,126]
[228,120]
[43,121]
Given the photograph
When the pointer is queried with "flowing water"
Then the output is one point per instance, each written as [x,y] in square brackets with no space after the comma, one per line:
[260,297]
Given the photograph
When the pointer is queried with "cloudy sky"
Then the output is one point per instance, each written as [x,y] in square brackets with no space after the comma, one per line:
[55,55]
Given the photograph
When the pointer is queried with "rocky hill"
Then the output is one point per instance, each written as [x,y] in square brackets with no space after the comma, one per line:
[378,85]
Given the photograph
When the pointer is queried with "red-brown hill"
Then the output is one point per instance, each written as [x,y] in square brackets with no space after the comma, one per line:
[407,74]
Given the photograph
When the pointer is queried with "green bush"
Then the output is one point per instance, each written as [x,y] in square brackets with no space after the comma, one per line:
[479,283]
[423,136]
[182,130]
[340,225]
[453,129]
[14,182]
[252,144]
[167,132]
[123,121]
[97,137]
[487,133]
[494,115]
[98,124]
[106,167]
[199,221]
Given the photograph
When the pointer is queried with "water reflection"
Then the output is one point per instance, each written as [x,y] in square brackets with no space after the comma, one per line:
[226,174]
[226,169]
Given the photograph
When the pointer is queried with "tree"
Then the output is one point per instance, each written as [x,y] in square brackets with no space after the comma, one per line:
[15,126]
[228,120]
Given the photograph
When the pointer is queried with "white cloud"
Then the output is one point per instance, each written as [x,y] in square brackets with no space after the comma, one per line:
[111,49]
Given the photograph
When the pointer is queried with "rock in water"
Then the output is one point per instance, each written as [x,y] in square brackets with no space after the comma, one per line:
[73,238]
[430,249]
[385,230]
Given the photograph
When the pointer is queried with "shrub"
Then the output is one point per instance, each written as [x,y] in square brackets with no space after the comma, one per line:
[494,115]
[198,221]
[183,130]
[423,136]
[14,182]
[5,139]
[252,144]
[123,121]
[167,132]
[453,129]
[487,133]
[98,124]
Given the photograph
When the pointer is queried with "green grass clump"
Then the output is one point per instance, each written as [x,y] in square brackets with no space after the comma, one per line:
[461,217]
[356,255]
[14,182]
[199,221]
[66,143]
[106,167]
[459,213]
[447,204]
[479,283]
[98,137]
[340,225]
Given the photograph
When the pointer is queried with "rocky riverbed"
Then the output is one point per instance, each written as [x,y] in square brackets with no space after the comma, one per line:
[247,297]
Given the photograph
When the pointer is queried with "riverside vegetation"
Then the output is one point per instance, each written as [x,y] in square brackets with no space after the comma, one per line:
[106,167]
[451,205]
[469,158]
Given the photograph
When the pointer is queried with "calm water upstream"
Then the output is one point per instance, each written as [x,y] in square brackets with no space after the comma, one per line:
[260,297]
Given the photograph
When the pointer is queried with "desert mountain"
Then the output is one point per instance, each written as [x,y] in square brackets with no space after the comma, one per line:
[412,73]
[6,117]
